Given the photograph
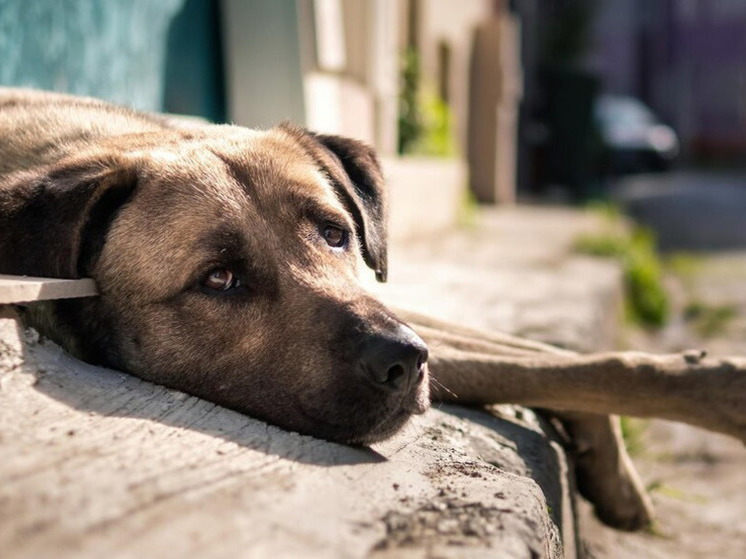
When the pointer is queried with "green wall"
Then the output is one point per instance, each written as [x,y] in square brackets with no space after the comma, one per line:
[113,49]
[194,72]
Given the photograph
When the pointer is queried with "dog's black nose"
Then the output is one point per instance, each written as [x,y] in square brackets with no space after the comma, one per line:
[396,360]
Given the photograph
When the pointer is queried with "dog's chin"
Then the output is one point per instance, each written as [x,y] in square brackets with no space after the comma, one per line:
[363,437]
[384,431]
[376,430]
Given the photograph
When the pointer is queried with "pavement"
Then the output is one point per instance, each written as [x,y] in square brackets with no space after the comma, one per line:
[689,210]
[513,270]
[96,462]
[697,479]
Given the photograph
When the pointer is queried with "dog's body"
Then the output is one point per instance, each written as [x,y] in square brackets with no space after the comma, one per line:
[226,261]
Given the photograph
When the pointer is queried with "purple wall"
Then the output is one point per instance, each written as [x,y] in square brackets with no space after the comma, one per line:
[685,58]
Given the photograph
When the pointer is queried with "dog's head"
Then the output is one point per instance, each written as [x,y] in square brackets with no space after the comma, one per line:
[227,265]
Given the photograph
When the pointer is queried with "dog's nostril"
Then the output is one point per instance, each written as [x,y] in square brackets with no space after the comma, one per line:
[395,376]
[396,360]
[422,359]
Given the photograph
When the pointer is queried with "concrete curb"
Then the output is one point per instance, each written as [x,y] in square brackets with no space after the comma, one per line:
[101,463]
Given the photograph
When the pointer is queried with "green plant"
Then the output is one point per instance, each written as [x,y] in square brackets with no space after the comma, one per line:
[410,124]
[609,245]
[425,119]
[646,297]
[607,210]
[436,137]
[684,265]
[709,320]
[644,279]
[674,492]
[467,210]
[633,430]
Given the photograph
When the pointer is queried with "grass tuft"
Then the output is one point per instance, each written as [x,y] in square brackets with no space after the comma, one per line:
[633,433]
[646,297]
[709,320]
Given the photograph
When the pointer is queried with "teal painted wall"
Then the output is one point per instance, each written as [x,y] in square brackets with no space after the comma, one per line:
[194,72]
[112,49]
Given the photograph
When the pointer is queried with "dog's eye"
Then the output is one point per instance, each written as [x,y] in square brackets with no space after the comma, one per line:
[221,279]
[335,236]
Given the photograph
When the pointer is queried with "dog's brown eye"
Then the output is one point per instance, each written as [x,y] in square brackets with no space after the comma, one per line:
[335,236]
[221,279]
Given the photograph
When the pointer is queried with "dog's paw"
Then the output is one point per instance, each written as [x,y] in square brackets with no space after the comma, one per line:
[604,471]
[618,500]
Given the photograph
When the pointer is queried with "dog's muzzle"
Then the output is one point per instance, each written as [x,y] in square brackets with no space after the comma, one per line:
[394,361]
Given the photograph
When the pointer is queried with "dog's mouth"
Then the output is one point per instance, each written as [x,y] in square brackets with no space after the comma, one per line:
[356,427]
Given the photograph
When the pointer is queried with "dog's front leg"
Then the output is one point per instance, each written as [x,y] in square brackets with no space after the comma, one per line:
[470,366]
[605,474]
[604,471]
[709,393]
[475,367]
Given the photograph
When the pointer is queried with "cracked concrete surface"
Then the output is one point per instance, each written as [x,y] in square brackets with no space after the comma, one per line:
[98,463]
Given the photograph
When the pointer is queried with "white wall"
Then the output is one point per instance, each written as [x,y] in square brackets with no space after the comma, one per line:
[453,21]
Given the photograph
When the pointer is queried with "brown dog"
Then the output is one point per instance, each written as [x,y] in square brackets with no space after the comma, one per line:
[227,260]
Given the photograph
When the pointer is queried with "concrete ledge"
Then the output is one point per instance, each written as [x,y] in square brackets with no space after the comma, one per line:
[98,463]
[426,195]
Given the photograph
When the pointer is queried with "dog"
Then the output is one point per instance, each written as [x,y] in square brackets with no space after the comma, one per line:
[227,262]
[226,259]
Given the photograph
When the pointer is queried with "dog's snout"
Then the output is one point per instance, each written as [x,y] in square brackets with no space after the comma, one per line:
[395,361]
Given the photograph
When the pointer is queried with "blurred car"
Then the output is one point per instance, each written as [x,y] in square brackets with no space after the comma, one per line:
[633,139]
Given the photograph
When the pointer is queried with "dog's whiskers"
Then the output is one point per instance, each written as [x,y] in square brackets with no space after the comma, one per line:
[436,382]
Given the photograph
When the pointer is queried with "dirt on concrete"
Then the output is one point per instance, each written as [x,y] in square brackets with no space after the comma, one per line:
[444,521]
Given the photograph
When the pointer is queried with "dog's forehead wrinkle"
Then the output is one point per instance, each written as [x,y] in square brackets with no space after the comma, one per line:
[192,174]
[273,157]
[283,188]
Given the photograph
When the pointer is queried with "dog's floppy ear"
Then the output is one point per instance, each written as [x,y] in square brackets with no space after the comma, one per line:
[356,175]
[365,193]
[53,223]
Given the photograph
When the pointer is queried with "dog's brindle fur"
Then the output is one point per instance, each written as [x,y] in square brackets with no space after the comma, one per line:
[148,208]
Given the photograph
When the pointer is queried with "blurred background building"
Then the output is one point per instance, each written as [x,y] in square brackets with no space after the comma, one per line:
[519,99]
[687,60]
